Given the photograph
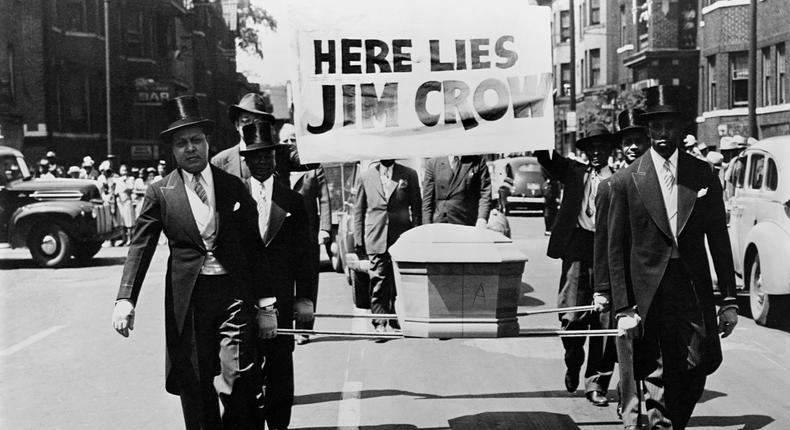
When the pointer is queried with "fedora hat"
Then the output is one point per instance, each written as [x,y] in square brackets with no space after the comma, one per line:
[665,99]
[259,135]
[595,132]
[629,119]
[252,103]
[184,111]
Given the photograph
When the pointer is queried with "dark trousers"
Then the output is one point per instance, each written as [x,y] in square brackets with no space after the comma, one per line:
[277,365]
[315,260]
[382,287]
[576,289]
[628,388]
[672,346]
[218,334]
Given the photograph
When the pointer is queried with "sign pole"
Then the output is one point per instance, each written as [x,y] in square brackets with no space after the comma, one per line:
[107,72]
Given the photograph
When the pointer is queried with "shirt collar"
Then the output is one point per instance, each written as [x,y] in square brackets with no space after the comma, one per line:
[205,174]
[267,184]
[658,161]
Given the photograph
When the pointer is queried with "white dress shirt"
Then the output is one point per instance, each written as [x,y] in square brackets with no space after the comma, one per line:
[205,217]
[670,194]
[586,219]
[265,206]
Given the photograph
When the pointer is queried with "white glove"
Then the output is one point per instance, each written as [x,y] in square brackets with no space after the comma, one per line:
[629,325]
[323,237]
[601,302]
[123,317]
[481,224]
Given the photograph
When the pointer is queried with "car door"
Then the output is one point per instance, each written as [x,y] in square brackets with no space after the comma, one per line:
[734,185]
[750,200]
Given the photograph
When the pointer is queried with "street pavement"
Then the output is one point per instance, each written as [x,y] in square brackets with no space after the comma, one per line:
[62,366]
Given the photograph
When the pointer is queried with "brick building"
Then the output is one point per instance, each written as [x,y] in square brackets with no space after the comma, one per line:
[52,74]
[596,67]
[724,69]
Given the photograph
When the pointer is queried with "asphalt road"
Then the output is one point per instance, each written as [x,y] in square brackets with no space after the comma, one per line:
[63,367]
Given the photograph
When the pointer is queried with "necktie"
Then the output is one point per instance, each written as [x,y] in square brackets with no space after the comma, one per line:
[199,190]
[263,213]
[672,206]
[592,182]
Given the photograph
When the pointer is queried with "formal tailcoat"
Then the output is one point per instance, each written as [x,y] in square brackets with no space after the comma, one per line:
[166,209]
[286,245]
[382,215]
[640,242]
[459,196]
[571,173]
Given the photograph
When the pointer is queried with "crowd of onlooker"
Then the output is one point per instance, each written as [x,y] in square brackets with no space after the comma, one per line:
[121,187]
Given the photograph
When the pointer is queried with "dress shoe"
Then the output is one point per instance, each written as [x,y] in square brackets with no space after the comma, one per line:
[571,380]
[597,399]
[302,339]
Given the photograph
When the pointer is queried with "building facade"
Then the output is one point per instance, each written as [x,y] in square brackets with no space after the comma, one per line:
[159,49]
[724,69]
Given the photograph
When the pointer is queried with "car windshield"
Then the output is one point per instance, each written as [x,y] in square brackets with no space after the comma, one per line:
[14,168]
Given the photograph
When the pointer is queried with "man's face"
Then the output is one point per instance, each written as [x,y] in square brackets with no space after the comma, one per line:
[664,132]
[245,118]
[123,170]
[597,153]
[261,163]
[190,149]
[634,143]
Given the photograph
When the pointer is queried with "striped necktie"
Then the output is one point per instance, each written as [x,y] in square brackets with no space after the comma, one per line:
[199,190]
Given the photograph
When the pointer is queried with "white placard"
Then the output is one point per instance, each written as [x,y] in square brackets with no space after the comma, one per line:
[410,78]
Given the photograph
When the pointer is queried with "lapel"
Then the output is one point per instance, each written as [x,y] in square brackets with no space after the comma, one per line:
[646,181]
[277,213]
[221,197]
[688,185]
[376,178]
[296,180]
[460,174]
[176,196]
[237,162]
[394,181]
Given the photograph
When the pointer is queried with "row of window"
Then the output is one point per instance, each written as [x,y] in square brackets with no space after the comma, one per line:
[589,14]
[591,74]
[762,173]
[772,68]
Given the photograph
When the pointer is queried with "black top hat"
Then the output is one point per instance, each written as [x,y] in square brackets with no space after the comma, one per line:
[630,119]
[665,99]
[595,132]
[184,111]
[252,103]
[259,135]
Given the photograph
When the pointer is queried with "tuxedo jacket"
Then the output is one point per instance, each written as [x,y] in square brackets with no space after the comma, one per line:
[640,240]
[286,243]
[314,190]
[457,197]
[571,174]
[166,209]
[381,216]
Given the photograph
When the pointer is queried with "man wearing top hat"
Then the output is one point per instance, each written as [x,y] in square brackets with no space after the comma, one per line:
[216,273]
[662,208]
[282,225]
[633,140]
[254,108]
[572,240]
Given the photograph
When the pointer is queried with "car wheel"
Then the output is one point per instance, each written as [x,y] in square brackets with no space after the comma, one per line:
[49,245]
[767,309]
[84,251]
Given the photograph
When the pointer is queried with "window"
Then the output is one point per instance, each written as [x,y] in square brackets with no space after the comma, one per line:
[771,176]
[565,26]
[584,72]
[739,172]
[766,81]
[595,67]
[642,20]
[712,93]
[623,27]
[739,79]
[138,35]
[781,76]
[756,171]
[72,15]
[565,79]
[595,12]
[72,99]
[11,73]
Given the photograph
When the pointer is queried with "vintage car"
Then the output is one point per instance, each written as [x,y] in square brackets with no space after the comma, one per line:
[758,199]
[517,183]
[56,219]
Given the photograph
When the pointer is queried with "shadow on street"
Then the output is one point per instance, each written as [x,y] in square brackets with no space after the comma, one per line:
[27,263]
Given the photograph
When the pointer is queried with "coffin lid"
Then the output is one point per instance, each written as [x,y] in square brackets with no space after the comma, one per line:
[452,243]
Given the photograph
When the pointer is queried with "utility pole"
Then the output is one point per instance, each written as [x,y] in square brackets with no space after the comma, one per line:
[107,73]
[572,106]
[754,131]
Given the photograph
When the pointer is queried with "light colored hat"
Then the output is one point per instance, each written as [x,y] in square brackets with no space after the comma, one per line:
[73,169]
[690,140]
[739,140]
[105,165]
[87,161]
[751,141]
[715,158]
[51,154]
[702,146]
[726,143]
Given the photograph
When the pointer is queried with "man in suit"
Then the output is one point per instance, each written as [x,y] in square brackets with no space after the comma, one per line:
[456,190]
[215,272]
[633,141]
[282,224]
[572,240]
[387,203]
[312,186]
[662,208]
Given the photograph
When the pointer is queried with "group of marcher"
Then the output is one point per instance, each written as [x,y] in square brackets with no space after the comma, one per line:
[632,243]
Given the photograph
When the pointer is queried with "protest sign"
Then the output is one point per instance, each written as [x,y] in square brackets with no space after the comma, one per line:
[414,78]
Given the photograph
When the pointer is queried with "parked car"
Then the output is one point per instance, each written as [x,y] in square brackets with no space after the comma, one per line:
[340,182]
[55,218]
[757,191]
[517,183]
